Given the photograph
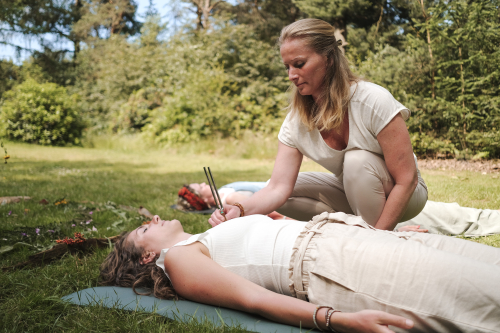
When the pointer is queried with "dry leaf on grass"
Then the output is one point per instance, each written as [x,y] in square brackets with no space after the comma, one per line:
[143,211]
[8,200]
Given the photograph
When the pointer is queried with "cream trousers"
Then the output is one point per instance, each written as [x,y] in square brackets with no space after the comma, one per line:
[362,190]
[443,284]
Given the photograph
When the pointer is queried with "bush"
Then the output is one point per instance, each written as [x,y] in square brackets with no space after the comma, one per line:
[40,113]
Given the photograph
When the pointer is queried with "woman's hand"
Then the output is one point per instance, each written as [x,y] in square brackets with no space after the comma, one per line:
[368,321]
[231,213]
[274,195]
[415,228]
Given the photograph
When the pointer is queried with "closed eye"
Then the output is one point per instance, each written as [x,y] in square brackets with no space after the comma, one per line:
[145,230]
[298,66]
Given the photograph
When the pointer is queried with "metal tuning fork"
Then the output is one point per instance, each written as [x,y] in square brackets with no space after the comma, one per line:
[215,193]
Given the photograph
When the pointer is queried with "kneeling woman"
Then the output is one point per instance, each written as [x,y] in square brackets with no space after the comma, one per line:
[285,269]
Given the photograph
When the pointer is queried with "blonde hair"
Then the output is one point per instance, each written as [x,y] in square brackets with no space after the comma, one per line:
[329,113]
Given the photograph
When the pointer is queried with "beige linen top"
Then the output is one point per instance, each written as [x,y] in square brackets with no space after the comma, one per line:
[371,108]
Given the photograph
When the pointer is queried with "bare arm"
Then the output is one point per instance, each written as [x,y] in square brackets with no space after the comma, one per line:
[275,194]
[237,197]
[398,153]
[198,278]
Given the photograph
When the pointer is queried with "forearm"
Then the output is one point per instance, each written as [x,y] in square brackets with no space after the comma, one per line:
[395,206]
[292,311]
[299,313]
[265,201]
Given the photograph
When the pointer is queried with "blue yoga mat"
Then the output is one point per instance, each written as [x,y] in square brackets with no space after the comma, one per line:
[126,299]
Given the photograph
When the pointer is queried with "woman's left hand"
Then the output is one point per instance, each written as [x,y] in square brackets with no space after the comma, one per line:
[368,321]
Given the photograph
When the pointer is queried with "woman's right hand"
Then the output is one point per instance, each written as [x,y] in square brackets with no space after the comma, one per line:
[414,228]
[217,218]
[368,321]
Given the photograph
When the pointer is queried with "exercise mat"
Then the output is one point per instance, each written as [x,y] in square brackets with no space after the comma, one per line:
[126,299]
[205,211]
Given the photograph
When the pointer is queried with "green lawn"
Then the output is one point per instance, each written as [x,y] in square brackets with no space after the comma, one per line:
[95,182]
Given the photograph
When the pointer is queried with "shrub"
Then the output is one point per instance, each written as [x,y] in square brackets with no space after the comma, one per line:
[41,113]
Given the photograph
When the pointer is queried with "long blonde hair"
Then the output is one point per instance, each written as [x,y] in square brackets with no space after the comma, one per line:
[330,112]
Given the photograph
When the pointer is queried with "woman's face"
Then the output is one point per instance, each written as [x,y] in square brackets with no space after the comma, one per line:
[157,235]
[204,190]
[306,68]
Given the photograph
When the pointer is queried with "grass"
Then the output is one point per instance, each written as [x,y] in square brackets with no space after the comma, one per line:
[95,181]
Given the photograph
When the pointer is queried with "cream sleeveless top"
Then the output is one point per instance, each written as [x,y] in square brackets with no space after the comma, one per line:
[255,247]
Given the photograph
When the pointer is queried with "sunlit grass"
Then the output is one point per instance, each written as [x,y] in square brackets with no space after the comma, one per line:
[132,174]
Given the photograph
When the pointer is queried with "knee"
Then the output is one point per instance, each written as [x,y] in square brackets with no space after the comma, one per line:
[359,164]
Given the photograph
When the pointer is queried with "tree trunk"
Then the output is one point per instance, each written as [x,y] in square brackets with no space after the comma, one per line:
[433,74]
[380,18]
[76,41]
[115,26]
[463,90]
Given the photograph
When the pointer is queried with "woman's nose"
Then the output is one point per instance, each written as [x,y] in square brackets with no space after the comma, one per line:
[292,74]
[156,219]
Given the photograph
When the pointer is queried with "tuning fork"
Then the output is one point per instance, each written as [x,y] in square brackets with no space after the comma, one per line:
[215,193]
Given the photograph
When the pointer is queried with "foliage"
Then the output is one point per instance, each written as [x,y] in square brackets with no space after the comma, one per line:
[112,70]
[221,74]
[53,23]
[102,18]
[41,113]
[265,17]
[9,74]
[452,83]
[221,82]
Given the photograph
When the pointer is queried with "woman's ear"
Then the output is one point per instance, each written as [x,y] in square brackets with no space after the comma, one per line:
[147,257]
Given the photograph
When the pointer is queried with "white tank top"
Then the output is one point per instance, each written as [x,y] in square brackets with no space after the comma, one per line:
[254,247]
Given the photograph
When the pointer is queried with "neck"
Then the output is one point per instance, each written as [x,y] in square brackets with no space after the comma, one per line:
[211,200]
[178,238]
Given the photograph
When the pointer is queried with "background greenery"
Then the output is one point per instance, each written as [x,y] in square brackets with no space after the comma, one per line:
[219,73]
[148,106]
[95,182]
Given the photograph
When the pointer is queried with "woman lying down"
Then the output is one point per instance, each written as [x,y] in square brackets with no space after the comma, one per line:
[318,192]
[335,272]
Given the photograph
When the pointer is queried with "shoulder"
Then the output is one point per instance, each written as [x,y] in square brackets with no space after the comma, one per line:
[290,129]
[367,96]
[364,91]
[179,255]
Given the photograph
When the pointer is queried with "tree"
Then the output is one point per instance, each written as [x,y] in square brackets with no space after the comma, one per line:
[36,18]
[266,17]
[104,18]
[203,10]
[374,17]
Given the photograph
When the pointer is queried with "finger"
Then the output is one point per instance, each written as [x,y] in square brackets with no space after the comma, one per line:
[422,230]
[398,321]
[384,329]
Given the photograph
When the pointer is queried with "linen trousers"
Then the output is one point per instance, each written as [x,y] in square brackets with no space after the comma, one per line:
[362,190]
[443,284]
